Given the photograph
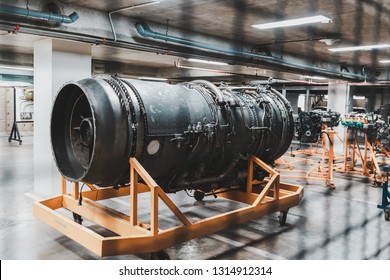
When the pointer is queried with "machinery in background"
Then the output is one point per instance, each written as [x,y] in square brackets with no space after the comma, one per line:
[365,161]
[126,137]
[315,127]
[26,113]
[383,136]
[330,119]
[384,112]
[27,105]
[309,125]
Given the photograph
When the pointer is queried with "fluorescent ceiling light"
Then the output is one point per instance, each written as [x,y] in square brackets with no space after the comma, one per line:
[385,61]
[152,79]
[314,77]
[207,61]
[293,22]
[26,68]
[360,48]
[7,84]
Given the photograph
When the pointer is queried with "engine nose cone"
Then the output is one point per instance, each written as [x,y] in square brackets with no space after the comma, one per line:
[86,131]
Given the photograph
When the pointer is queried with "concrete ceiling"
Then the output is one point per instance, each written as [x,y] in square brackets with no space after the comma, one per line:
[354,22]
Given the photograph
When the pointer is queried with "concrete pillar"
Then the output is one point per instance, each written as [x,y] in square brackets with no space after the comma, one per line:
[307,101]
[3,110]
[339,100]
[55,63]
[371,100]
[292,97]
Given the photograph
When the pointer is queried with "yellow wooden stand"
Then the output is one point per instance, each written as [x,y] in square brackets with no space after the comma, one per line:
[325,167]
[382,152]
[135,236]
[366,159]
[290,163]
[310,152]
[320,147]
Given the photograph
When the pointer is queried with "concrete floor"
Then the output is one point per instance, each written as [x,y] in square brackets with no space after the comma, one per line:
[329,224]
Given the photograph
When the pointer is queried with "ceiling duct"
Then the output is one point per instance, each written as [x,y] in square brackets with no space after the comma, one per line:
[145,31]
[34,14]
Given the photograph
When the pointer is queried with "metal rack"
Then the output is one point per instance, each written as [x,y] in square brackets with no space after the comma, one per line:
[15,134]
[135,236]
[324,168]
[364,161]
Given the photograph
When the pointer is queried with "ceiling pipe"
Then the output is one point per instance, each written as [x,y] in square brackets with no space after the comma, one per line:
[179,66]
[28,13]
[145,31]
[126,9]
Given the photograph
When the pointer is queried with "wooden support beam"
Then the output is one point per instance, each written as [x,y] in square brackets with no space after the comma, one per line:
[265,191]
[143,173]
[63,185]
[168,202]
[133,238]
[154,211]
[73,230]
[133,196]
[103,216]
[76,190]
[249,181]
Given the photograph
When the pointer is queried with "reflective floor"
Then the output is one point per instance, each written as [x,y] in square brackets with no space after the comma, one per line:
[329,224]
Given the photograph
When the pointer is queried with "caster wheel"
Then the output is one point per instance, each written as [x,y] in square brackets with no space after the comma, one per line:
[77,218]
[283,218]
[20,143]
[387,215]
[160,255]
[330,185]
[9,140]
[198,195]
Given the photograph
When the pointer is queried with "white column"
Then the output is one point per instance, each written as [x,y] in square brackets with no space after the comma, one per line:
[292,97]
[307,100]
[339,100]
[55,63]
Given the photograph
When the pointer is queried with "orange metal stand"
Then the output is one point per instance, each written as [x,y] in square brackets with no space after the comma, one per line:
[310,152]
[382,151]
[135,236]
[320,148]
[366,160]
[325,167]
